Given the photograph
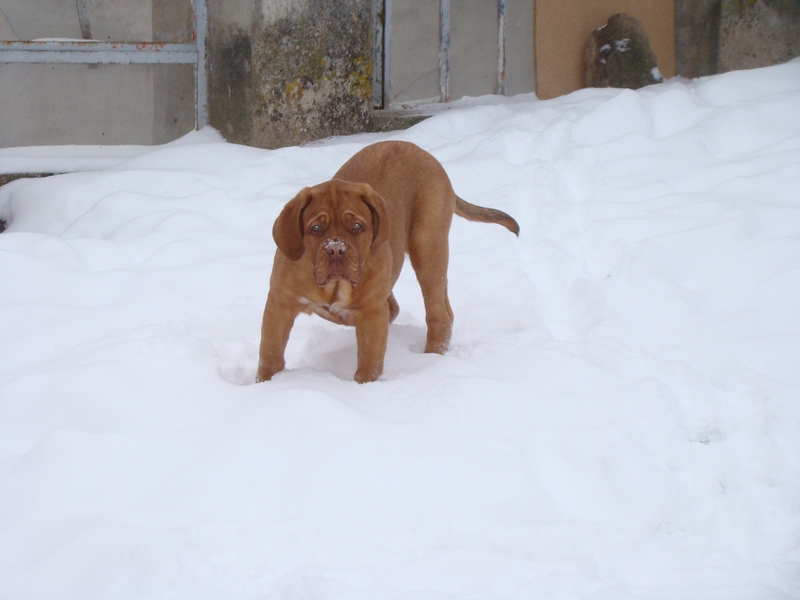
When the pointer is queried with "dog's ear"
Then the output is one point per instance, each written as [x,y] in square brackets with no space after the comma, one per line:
[380,216]
[288,228]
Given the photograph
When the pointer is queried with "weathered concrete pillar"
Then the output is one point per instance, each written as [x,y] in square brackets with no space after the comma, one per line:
[758,33]
[715,36]
[283,72]
[697,37]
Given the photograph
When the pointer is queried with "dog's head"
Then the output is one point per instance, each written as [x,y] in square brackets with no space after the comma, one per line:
[337,225]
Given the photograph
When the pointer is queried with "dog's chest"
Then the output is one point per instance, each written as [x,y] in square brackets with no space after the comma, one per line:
[333,302]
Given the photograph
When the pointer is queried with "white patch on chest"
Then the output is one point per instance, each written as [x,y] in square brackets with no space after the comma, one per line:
[334,304]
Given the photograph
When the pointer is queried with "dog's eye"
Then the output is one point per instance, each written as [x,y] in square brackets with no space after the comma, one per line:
[357,227]
[316,228]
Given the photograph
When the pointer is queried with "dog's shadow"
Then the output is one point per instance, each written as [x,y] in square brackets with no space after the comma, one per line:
[322,347]
[328,348]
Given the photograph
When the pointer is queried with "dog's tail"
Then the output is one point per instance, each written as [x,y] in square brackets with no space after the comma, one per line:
[479,214]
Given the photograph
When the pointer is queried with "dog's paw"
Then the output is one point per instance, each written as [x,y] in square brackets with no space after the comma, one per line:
[267,369]
[367,375]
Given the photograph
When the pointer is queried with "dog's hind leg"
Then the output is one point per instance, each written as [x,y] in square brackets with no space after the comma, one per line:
[430,265]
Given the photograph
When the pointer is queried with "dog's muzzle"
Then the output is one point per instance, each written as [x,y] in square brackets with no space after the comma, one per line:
[336,259]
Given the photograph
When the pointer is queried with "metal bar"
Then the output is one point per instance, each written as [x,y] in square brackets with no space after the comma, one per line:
[444,50]
[378,12]
[83,19]
[387,53]
[79,52]
[501,47]
[200,74]
[123,53]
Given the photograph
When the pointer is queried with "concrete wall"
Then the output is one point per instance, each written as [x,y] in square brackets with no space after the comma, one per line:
[106,104]
[96,104]
[280,72]
[758,33]
[715,36]
[284,72]
[120,20]
[709,36]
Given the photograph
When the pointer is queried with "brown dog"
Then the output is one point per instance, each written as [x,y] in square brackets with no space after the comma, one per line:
[341,245]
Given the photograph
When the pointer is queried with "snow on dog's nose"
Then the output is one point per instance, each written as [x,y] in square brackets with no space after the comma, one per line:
[335,248]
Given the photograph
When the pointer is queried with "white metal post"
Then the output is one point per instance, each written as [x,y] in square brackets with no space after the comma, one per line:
[444,50]
[501,47]
[382,80]
[387,54]
[200,74]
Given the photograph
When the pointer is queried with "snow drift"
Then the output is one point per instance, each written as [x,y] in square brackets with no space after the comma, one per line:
[618,415]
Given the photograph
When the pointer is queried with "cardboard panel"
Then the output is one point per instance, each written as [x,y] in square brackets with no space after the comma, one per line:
[562,28]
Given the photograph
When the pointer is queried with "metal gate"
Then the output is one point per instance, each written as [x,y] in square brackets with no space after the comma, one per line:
[405,30]
[91,52]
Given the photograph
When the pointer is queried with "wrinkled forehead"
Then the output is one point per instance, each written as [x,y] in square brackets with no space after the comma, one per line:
[335,198]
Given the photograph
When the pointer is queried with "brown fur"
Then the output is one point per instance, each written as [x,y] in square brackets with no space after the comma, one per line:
[341,246]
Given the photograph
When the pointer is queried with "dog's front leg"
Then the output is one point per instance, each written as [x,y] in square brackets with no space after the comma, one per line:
[276,325]
[372,331]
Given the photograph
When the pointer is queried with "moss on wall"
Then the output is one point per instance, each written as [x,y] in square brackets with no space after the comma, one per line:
[230,85]
[301,77]
[738,8]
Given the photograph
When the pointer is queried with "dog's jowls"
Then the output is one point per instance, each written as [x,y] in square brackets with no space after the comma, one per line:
[341,246]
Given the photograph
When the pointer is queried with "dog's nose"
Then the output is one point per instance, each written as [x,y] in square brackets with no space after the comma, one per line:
[336,249]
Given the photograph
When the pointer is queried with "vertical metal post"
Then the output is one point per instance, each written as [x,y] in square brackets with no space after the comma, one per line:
[501,47]
[377,58]
[201,83]
[83,19]
[387,53]
[382,78]
[444,50]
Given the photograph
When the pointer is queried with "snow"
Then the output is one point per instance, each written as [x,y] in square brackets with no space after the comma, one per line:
[617,417]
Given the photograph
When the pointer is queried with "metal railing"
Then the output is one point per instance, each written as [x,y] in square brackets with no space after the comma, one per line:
[123,53]
[382,87]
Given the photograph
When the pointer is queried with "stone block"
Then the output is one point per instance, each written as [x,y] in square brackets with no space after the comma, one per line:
[618,54]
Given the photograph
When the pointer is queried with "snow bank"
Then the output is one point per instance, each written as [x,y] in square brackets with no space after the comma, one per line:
[617,416]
